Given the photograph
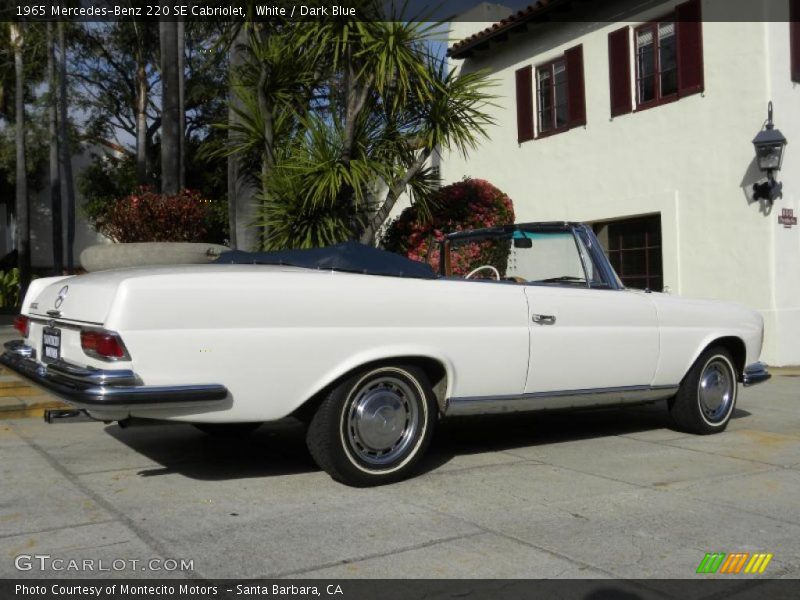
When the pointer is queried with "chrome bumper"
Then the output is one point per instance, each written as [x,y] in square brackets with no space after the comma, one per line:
[87,387]
[755,373]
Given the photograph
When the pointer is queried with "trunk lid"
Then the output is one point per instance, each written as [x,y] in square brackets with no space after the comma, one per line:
[84,298]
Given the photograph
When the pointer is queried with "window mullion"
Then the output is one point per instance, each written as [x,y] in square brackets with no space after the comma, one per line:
[553,108]
[657,59]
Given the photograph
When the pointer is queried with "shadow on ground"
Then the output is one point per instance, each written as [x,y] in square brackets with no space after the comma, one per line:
[279,448]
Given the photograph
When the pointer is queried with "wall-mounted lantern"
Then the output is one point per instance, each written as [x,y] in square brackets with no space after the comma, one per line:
[769,144]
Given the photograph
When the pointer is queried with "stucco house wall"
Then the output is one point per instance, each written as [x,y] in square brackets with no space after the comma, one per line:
[691,161]
[41,222]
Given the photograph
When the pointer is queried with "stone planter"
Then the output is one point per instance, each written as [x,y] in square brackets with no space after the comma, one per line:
[102,257]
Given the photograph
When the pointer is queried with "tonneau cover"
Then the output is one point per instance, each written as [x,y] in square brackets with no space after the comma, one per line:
[350,256]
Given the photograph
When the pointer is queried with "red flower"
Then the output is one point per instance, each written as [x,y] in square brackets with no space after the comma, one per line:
[146,216]
[467,204]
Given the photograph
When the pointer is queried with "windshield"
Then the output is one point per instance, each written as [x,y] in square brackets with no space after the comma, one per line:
[558,257]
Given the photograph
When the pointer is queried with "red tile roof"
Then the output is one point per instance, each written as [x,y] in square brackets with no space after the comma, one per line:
[463,48]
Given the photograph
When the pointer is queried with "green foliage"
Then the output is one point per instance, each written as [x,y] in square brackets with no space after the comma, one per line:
[292,222]
[108,178]
[104,180]
[336,118]
[104,63]
[36,154]
[34,59]
[9,288]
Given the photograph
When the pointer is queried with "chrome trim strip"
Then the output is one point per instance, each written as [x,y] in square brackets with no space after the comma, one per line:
[92,376]
[19,348]
[599,257]
[64,322]
[755,373]
[87,387]
[483,405]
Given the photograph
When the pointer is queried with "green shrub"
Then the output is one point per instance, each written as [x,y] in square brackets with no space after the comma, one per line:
[9,288]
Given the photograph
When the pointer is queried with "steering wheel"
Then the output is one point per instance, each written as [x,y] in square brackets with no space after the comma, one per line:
[482,268]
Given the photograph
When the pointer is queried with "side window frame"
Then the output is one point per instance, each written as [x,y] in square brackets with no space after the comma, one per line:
[658,97]
[553,109]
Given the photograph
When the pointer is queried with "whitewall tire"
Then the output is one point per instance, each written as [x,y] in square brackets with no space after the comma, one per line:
[374,426]
[707,396]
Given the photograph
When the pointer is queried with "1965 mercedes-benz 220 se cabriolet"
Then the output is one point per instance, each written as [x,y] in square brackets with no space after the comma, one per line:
[371,349]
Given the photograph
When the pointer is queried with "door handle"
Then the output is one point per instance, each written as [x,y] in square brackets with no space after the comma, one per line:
[544,319]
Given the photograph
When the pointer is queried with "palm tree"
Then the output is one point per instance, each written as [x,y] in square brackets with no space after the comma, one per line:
[181,51]
[140,104]
[240,187]
[271,83]
[65,145]
[55,176]
[358,132]
[170,108]
[23,233]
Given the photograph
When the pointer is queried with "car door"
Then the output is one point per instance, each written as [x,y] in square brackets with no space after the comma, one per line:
[586,331]
[587,339]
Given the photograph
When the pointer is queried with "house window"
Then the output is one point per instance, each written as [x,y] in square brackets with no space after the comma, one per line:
[667,57]
[551,96]
[559,94]
[656,62]
[633,247]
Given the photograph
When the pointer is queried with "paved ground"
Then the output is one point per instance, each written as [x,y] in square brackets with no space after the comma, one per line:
[17,398]
[612,493]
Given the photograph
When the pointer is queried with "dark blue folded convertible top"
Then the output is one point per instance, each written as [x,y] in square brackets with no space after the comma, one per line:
[351,256]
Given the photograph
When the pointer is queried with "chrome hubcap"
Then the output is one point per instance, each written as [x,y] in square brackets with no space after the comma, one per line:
[716,391]
[383,420]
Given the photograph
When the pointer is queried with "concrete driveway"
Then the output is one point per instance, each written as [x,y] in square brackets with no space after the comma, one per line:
[611,493]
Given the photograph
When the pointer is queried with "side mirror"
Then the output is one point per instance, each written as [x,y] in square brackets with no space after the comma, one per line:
[523,242]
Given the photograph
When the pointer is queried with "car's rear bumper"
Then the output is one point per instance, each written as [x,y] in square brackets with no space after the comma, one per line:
[755,373]
[90,388]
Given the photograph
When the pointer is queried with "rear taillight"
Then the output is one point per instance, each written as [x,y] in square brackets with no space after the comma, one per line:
[104,345]
[23,325]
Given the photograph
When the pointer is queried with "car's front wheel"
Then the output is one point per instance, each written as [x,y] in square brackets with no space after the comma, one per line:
[373,427]
[707,396]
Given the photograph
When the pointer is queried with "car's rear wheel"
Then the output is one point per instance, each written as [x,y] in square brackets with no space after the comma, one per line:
[707,396]
[227,430]
[373,427]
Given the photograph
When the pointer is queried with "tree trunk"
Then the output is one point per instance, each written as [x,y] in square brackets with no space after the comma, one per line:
[142,176]
[397,188]
[233,174]
[23,233]
[241,201]
[182,103]
[64,146]
[55,176]
[170,113]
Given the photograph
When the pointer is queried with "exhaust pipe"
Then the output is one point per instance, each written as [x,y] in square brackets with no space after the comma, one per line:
[63,415]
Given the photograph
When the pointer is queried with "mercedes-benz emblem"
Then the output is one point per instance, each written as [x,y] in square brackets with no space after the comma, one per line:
[61,295]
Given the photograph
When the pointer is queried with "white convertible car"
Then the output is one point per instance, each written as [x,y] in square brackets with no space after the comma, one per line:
[371,349]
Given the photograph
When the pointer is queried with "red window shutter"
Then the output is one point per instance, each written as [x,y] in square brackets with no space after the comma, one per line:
[794,38]
[619,71]
[524,104]
[690,48]
[576,95]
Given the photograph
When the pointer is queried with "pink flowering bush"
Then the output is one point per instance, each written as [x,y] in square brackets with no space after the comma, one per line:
[468,204]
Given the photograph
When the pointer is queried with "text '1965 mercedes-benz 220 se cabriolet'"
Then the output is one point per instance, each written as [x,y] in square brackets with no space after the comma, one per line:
[371,349]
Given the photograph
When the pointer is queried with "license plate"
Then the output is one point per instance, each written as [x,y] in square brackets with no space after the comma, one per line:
[51,344]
